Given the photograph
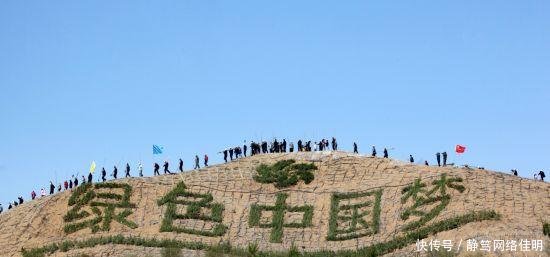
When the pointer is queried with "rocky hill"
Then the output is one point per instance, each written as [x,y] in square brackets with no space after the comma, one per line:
[354,206]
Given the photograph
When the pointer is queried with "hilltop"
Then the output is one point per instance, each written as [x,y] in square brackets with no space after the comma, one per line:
[354,206]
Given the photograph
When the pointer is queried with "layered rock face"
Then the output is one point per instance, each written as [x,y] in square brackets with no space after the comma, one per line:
[355,204]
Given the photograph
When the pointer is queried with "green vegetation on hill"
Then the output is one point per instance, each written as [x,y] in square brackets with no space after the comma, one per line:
[373,250]
[285,173]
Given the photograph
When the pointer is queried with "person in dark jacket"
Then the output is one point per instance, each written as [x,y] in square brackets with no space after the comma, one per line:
[75,181]
[115,172]
[373,151]
[244,148]
[205,160]
[156,169]
[411,159]
[90,177]
[542,175]
[444,159]
[103,174]
[52,188]
[355,148]
[181,165]
[438,158]
[385,153]
[225,155]
[426,163]
[70,184]
[166,168]
[127,170]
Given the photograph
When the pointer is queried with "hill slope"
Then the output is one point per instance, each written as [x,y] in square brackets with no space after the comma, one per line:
[355,204]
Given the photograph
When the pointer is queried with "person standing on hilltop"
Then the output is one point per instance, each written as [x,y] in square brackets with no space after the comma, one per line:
[197,162]
[515,172]
[438,158]
[71,183]
[52,188]
[127,170]
[181,165]
[300,146]
[355,148]
[33,195]
[103,174]
[334,144]
[156,169]
[411,159]
[373,151]
[225,155]
[75,181]
[115,172]
[90,177]
[244,148]
[59,188]
[444,159]
[205,160]
[426,163]
[231,153]
[66,184]
[42,192]
[291,147]
[166,168]
[542,175]
[385,152]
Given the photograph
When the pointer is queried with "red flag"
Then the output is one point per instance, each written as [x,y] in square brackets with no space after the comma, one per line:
[460,149]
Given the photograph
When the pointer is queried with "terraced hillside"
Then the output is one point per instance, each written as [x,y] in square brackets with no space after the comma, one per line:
[354,206]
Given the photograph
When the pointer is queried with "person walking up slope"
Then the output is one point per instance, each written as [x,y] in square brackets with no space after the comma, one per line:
[127,170]
[197,162]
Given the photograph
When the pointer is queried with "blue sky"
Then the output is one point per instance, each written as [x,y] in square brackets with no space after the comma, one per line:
[83,81]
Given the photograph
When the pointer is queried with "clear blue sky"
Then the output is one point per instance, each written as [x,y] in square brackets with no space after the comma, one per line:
[83,81]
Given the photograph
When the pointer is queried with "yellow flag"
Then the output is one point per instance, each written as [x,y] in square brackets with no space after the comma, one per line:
[92,167]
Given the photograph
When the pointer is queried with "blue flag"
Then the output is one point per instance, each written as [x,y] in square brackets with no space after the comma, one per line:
[157,149]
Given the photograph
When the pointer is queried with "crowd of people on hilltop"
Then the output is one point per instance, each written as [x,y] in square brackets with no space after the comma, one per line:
[233,153]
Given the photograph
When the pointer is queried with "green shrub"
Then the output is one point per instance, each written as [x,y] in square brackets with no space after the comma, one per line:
[285,173]
[252,250]
[546,229]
